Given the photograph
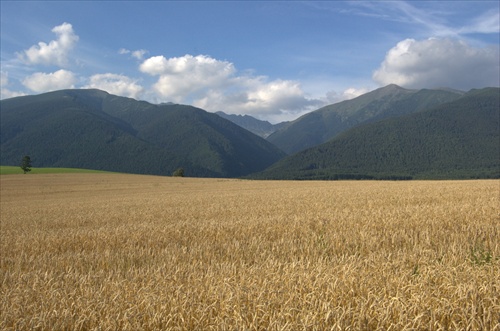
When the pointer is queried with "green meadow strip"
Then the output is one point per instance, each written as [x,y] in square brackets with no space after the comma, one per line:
[12,170]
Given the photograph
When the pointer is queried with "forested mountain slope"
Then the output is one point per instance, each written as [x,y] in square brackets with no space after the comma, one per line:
[96,130]
[319,126]
[458,139]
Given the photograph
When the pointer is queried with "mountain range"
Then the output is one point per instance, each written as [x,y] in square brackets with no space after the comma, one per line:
[389,133]
[96,130]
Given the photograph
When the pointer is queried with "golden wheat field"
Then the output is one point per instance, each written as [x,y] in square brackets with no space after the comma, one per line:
[129,252]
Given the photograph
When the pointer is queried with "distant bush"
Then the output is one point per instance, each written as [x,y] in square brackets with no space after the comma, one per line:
[178,173]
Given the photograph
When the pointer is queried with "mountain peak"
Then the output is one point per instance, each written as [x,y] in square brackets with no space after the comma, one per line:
[393,87]
[390,89]
[325,123]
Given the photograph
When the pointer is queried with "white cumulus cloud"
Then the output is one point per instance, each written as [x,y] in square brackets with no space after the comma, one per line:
[183,77]
[259,97]
[45,82]
[56,51]
[216,85]
[116,84]
[439,63]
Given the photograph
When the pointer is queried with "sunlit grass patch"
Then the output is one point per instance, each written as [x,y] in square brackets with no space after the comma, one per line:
[9,170]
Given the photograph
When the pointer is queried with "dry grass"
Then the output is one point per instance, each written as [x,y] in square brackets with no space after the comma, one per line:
[123,252]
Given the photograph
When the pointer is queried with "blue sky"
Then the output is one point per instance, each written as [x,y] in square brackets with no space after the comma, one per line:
[272,60]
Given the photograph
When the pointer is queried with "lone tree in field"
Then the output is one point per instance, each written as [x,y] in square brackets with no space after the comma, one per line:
[178,173]
[26,164]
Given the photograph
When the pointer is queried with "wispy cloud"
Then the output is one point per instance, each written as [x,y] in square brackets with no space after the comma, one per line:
[5,92]
[435,24]
[138,54]
[430,17]
[488,22]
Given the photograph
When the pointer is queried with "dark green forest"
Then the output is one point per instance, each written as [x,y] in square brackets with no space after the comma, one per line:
[95,130]
[319,126]
[459,139]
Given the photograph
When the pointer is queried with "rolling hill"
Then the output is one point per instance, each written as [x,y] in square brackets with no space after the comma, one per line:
[319,126]
[96,130]
[457,139]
